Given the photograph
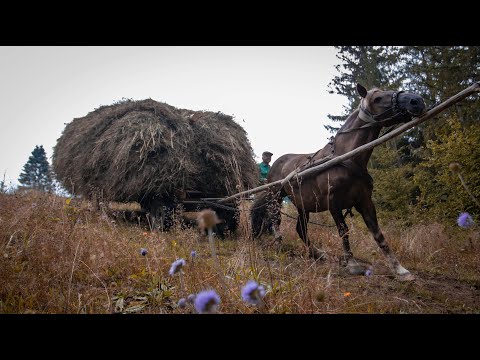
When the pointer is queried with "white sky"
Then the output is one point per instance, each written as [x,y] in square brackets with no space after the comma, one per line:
[278,94]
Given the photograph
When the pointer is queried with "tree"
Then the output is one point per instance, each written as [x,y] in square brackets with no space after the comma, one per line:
[3,186]
[411,171]
[436,73]
[372,66]
[442,192]
[36,172]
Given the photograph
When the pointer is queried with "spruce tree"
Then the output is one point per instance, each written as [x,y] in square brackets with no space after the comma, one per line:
[36,172]
[437,73]
[375,66]
[418,156]
[371,66]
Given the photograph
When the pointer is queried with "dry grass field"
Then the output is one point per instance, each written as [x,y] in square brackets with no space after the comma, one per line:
[58,255]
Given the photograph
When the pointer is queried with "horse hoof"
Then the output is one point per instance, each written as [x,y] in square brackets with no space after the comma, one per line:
[344,260]
[406,277]
[277,245]
[358,268]
[318,254]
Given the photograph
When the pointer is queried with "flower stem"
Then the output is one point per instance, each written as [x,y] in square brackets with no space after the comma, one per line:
[468,190]
[148,265]
[182,287]
[261,306]
[215,259]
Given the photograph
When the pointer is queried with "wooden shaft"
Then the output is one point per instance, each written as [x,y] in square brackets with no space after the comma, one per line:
[338,159]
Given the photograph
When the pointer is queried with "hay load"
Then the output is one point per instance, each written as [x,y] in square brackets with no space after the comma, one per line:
[143,150]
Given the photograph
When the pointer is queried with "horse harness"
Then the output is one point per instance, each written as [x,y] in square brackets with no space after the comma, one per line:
[371,120]
[366,116]
[375,120]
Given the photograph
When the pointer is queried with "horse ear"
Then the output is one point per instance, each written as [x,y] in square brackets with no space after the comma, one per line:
[361,90]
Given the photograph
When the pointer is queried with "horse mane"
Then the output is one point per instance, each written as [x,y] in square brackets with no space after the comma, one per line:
[349,120]
[354,114]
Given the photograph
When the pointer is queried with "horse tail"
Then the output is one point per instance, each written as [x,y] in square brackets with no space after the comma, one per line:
[264,210]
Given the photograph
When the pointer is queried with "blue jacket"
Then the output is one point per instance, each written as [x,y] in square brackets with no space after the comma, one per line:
[264,169]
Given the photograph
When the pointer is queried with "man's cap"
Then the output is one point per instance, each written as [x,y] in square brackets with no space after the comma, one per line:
[268,153]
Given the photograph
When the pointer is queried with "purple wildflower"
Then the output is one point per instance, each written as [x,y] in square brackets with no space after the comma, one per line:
[368,272]
[143,251]
[191,298]
[193,254]
[206,302]
[465,220]
[252,293]
[182,303]
[176,266]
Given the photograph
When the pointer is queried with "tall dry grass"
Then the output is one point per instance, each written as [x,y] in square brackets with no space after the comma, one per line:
[60,256]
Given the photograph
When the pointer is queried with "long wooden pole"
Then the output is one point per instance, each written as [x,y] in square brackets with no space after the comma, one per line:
[338,159]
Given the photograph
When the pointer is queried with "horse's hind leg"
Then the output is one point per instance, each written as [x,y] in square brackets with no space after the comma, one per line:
[343,232]
[275,216]
[369,214]
[302,230]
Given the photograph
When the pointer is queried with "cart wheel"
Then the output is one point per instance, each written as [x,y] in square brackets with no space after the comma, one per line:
[163,219]
[230,223]
[161,213]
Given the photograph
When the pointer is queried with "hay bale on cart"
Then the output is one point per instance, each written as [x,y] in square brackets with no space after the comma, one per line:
[155,154]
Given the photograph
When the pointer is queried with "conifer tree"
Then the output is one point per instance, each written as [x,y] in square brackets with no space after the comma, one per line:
[371,66]
[36,172]
[436,73]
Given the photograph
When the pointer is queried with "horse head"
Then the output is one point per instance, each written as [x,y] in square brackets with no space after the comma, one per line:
[388,107]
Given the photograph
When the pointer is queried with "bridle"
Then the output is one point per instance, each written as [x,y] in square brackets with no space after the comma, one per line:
[370,119]
[377,120]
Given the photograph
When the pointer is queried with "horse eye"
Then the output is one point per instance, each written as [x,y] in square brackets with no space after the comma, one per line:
[377,100]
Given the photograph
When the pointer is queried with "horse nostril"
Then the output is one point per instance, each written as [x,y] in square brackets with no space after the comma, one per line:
[413,102]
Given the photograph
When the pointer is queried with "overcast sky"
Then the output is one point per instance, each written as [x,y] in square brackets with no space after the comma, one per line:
[278,94]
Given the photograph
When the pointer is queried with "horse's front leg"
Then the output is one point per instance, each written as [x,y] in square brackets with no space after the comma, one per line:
[343,232]
[367,209]
[302,230]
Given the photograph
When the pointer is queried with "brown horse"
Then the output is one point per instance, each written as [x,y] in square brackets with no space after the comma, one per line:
[342,186]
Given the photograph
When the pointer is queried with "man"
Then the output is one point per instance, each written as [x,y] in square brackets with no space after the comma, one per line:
[264,166]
